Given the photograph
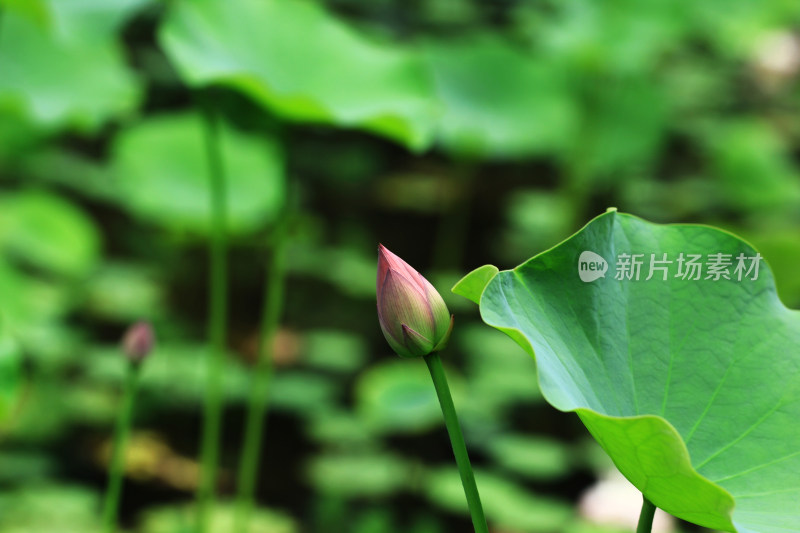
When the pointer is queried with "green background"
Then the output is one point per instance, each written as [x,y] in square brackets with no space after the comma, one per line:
[457,133]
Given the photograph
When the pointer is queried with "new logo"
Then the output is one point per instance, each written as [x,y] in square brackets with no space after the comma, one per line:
[591,266]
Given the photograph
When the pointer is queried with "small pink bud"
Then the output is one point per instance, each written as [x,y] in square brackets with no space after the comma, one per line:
[138,341]
[413,316]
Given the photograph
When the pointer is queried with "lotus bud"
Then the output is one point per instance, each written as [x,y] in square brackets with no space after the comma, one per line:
[413,316]
[138,341]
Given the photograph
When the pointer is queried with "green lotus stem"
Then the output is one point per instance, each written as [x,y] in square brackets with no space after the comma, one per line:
[259,392]
[121,434]
[434,363]
[212,416]
[646,517]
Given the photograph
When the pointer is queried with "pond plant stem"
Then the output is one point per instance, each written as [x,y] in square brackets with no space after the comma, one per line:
[436,369]
[212,416]
[646,517]
[259,392]
[122,431]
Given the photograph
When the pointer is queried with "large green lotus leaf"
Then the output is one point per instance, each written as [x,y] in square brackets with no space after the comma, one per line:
[303,64]
[691,386]
[58,79]
[499,101]
[162,171]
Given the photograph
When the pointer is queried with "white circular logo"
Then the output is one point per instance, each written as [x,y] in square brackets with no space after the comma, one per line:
[591,266]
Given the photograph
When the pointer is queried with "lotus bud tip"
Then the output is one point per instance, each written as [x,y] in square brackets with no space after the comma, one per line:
[412,314]
[138,341]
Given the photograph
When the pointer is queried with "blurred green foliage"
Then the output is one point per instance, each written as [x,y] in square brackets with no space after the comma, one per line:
[254,47]
[9,372]
[181,520]
[456,132]
[161,173]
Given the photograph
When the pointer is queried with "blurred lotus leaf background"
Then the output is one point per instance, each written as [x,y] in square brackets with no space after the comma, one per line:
[455,132]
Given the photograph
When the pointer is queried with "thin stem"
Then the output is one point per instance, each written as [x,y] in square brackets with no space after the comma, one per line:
[121,433]
[212,417]
[434,363]
[646,517]
[259,392]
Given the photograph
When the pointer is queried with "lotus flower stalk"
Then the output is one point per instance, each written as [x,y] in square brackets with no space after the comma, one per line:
[416,323]
[137,344]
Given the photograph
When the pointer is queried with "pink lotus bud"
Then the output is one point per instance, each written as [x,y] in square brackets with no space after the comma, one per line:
[413,317]
[138,341]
